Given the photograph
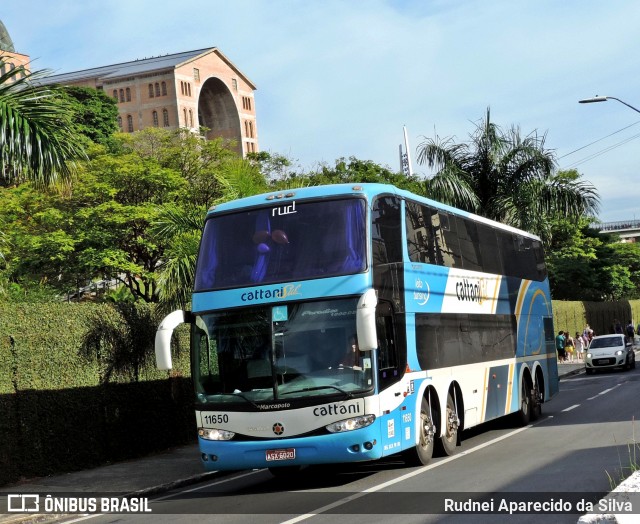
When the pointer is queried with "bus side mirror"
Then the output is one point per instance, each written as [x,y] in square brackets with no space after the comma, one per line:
[163,338]
[366,321]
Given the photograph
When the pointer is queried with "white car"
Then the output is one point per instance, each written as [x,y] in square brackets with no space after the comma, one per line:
[608,352]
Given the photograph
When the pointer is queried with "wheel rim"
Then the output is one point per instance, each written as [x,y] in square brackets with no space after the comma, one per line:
[525,400]
[426,430]
[451,431]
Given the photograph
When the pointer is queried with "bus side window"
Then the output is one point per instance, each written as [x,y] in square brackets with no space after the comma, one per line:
[447,240]
[421,240]
[386,230]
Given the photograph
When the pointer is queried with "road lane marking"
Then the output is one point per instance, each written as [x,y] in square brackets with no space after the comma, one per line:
[419,471]
[571,407]
[605,392]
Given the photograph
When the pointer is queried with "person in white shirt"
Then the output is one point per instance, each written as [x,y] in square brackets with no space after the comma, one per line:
[579,346]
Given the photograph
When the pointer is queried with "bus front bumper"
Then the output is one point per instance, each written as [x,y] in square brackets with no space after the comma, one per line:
[350,446]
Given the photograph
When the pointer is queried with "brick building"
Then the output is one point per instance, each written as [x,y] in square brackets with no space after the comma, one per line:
[192,89]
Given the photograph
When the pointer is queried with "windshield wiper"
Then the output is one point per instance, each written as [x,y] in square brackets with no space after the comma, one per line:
[316,388]
[239,394]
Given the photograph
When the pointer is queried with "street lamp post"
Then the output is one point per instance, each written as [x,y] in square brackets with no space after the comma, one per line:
[604,99]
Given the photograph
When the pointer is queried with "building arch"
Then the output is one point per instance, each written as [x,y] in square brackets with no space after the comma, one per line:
[218,112]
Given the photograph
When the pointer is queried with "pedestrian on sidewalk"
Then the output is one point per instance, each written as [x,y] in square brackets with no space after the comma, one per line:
[569,346]
[631,332]
[579,346]
[560,347]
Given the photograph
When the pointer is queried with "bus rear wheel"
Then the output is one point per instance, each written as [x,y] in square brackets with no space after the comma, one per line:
[421,454]
[536,401]
[525,403]
[449,440]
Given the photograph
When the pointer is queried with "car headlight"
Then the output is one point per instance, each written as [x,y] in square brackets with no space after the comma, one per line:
[350,424]
[619,352]
[589,355]
[215,434]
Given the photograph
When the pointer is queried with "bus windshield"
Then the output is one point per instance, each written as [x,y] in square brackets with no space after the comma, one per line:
[283,242]
[262,354]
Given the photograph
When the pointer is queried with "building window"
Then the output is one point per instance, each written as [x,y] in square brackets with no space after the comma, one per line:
[155,119]
[184,113]
[120,123]
[157,89]
[246,103]
[115,94]
[165,118]
[188,89]
[121,95]
[128,91]
[196,74]
[164,89]
[190,118]
[130,123]
[181,87]
[251,129]
[234,84]
[150,90]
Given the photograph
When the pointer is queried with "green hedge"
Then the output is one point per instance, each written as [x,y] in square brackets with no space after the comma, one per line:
[56,416]
[573,316]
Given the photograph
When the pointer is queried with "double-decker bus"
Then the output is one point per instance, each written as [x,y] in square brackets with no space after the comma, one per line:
[351,322]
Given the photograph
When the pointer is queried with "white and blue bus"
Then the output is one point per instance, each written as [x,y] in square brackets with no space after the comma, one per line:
[351,322]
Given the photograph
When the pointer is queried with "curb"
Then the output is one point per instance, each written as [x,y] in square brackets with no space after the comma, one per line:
[620,494]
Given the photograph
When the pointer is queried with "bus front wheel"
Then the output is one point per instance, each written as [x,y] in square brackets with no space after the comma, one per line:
[421,454]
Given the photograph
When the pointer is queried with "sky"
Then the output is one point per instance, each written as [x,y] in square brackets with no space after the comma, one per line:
[340,78]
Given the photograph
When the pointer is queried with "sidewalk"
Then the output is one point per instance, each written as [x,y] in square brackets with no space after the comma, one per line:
[147,476]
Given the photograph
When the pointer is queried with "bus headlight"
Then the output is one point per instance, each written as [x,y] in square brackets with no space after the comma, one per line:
[350,424]
[215,434]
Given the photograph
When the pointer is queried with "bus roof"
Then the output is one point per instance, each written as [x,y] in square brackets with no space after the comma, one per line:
[369,190]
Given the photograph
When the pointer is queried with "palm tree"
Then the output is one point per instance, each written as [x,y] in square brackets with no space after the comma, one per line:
[504,177]
[36,139]
[180,228]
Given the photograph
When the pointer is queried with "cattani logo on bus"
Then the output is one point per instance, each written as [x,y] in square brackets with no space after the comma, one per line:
[467,292]
[472,290]
[272,293]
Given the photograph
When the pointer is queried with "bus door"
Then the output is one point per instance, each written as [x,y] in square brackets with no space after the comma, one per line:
[395,420]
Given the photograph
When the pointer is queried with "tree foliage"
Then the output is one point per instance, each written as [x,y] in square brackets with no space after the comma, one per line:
[94,113]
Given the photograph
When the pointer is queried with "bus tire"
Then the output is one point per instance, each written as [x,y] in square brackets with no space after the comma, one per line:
[536,404]
[525,403]
[421,453]
[447,442]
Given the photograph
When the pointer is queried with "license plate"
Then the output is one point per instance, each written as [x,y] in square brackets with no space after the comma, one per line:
[281,454]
